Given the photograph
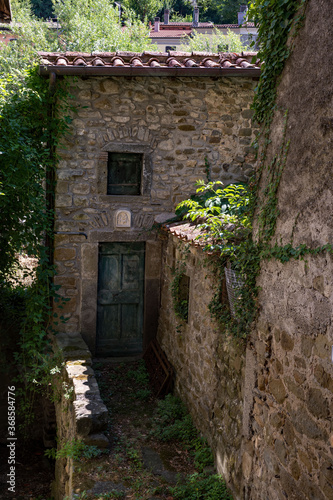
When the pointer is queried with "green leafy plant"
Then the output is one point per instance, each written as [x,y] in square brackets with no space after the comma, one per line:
[201,486]
[276,21]
[173,421]
[30,134]
[216,42]
[140,374]
[75,450]
[179,288]
[203,456]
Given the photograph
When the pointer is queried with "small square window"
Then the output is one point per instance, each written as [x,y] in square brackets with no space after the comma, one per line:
[124,173]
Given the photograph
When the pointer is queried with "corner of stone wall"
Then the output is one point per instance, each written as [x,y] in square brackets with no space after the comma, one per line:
[209,367]
[80,412]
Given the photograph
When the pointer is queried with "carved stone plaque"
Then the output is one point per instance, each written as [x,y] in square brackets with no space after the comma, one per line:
[123,218]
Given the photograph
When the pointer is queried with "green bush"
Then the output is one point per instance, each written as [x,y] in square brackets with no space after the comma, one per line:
[202,487]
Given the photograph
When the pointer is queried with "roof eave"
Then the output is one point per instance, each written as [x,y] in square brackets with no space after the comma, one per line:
[45,70]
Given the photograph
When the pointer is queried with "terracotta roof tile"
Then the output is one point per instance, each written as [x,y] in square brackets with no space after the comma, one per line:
[226,26]
[185,23]
[189,232]
[193,63]
[169,33]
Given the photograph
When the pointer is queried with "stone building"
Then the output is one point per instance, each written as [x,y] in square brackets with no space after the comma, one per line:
[143,127]
[290,450]
[171,35]
[266,408]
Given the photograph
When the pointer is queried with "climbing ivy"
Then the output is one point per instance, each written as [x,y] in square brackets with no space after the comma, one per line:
[241,247]
[30,132]
[278,22]
[179,299]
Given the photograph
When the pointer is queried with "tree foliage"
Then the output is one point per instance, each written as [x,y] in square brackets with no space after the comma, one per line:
[217,42]
[220,11]
[94,25]
[42,8]
[89,26]
[145,9]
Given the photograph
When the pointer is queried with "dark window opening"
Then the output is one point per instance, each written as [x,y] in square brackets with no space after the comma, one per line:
[124,173]
[184,296]
[170,47]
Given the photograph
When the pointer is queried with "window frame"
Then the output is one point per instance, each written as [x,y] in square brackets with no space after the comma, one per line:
[146,176]
[138,175]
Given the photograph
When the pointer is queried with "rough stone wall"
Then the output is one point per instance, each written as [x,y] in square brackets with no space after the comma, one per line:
[175,122]
[80,412]
[292,430]
[209,369]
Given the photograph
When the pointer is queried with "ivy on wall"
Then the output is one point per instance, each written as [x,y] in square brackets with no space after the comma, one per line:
[279,22]
[30,132]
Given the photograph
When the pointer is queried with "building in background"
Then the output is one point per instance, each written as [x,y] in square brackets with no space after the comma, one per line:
[172,35]
[5,11]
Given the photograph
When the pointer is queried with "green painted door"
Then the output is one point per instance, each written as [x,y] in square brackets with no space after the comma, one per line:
[120,299]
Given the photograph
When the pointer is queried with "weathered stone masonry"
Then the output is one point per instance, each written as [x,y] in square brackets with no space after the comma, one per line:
[209,369]
[292,441]
[175,123]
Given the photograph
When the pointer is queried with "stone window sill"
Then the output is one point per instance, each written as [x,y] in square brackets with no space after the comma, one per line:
[111,198]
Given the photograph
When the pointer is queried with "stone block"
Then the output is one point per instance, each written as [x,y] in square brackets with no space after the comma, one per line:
[317,403]
[98,440]
[90,417]
[299,377]
[306,346]
[321,347]
[66,281]
[80,201]
[89,260]
[63,200]
[294,388]
[109,86]
[247,465]
[153,259]
[281,451]
[323,378]
[304,424]
[167,145]
[81,188]
[245,132]
[69,174]
[289,486]
[287,343]
[64,253]
[278,390]
[72,346]
[61,187]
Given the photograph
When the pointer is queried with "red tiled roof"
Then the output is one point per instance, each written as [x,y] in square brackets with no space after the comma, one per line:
[149,63]
[169,33]
[244,25]
[189,232]
[186,23]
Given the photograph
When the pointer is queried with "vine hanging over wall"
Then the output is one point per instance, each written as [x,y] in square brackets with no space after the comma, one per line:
[278,22]
[30,131]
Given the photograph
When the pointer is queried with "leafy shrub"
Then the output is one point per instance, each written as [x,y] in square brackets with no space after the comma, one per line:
[202,487]
[173,421]
[74,449]
[140,375]
[203,456]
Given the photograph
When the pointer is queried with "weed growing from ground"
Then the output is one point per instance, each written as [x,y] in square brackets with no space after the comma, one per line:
[74,449]
[202,487]
[173,422]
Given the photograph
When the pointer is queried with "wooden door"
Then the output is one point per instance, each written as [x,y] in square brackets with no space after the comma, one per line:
[120,299]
